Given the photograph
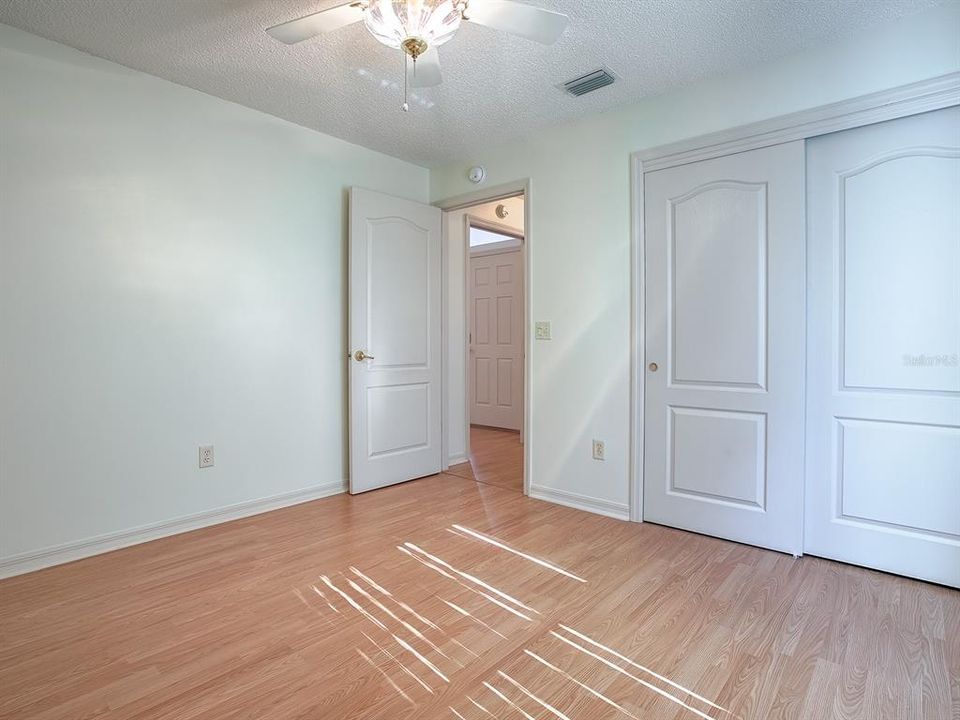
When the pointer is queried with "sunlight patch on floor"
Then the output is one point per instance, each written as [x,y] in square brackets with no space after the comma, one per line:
[513,689]
[504,546]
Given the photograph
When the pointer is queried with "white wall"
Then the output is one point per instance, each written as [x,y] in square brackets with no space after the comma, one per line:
[579,244]
[172,273]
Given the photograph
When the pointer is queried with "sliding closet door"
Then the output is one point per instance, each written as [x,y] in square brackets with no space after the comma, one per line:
[723,387]
[883,448]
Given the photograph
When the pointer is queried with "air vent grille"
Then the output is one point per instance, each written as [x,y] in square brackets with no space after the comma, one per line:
[589,82]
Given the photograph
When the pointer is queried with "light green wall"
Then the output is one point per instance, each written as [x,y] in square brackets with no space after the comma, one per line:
[580,220]
[172,273]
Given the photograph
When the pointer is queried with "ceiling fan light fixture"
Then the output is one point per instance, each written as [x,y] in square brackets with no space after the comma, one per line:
[413,25]
[419,27]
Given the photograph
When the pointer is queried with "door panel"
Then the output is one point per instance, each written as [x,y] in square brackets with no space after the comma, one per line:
[395,318]
[883,454]
[899,474]
[399,418]
[718,247]
[717,454]
[723,395]
[918,193]
[398,286]
[496,348]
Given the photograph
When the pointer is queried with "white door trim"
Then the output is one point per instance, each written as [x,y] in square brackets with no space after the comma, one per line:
[500,228]
[919,97]
[497,248]
[497,192]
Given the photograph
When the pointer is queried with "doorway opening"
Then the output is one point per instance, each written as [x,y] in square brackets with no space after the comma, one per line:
[487,251]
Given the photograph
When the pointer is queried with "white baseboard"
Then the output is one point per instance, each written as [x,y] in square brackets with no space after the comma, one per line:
[620,511]
[457,460]
[68,552]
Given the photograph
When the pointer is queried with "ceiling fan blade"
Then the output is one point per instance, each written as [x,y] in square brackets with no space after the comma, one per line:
[533,23]
[426,71]
[312,25]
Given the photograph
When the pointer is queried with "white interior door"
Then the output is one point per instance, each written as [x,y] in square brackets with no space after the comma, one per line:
[724,324]
[496,346]
[883,449]
[395,371]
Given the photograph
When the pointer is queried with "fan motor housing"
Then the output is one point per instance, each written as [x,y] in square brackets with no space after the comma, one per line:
[414,47]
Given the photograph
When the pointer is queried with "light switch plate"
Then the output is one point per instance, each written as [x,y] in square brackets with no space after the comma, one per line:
[542,330]
[206,456]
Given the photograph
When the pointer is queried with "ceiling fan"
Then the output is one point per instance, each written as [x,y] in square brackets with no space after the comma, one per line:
[419,27]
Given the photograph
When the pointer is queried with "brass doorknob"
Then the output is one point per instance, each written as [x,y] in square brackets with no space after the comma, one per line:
[360,356]
[653,367]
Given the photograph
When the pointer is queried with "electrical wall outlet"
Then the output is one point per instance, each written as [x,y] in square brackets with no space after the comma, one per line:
[206,456]
[598,450]
[542,330]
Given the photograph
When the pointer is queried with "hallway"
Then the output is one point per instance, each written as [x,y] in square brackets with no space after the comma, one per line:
[496,458]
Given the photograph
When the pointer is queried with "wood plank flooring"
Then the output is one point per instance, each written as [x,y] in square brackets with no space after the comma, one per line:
[496,458]
[448,598]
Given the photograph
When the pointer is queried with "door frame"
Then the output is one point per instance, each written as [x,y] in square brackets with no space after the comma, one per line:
[924,96]
[460,202]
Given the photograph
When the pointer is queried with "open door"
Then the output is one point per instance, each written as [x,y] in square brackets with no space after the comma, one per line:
[395,330]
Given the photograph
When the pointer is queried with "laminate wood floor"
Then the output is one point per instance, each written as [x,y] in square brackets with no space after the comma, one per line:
[448,598]
[496,458]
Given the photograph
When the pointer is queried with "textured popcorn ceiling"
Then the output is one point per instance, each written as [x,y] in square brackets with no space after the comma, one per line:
[495,86]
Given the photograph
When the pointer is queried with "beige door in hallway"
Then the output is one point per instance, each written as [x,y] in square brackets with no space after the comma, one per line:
[496,339]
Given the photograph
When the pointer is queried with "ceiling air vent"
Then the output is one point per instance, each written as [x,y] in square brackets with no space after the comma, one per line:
[589,82]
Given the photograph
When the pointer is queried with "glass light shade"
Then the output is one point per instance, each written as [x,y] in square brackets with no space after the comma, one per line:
[393,21]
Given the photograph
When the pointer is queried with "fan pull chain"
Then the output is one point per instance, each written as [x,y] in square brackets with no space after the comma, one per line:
[406,106]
